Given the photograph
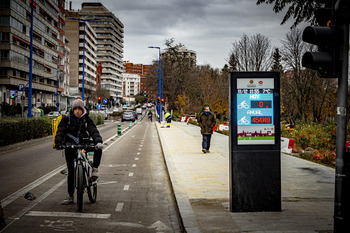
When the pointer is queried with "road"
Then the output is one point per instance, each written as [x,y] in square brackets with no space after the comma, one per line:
[134,193]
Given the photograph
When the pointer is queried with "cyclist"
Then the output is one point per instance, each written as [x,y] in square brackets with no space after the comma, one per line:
[75,129]
[150,115]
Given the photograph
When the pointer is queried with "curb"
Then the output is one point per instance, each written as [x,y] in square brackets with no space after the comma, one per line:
[187,215]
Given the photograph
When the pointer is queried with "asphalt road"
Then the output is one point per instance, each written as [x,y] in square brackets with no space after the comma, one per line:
[134,193]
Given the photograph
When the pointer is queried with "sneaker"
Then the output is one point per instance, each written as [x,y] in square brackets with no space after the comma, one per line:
[68,201]
[204,151]
[94,172]
[208,151]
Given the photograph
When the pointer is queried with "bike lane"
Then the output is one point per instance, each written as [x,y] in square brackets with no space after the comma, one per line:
[134,194]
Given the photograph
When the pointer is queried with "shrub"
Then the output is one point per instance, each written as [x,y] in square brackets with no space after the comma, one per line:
[22,129]
[97,118]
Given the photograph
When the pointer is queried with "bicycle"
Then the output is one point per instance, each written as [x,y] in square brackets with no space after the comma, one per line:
[83,169]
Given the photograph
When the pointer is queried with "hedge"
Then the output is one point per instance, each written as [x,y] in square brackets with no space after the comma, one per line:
[22,129]
[13,130]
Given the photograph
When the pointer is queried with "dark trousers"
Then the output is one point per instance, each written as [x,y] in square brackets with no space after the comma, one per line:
[206,141]
[70,155]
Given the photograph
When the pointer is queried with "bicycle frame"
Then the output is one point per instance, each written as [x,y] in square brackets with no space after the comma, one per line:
[83,181]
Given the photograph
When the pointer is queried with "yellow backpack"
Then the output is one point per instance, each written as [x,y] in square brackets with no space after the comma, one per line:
[55,123]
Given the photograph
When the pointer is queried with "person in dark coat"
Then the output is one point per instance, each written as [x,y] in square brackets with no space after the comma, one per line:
[206,122]
[77,128]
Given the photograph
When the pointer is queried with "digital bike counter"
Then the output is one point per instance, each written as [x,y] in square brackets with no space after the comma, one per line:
[255,143]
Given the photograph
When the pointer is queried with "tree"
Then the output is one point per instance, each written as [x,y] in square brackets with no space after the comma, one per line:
[276,64]
[300,10]
[250,53]
[304,94]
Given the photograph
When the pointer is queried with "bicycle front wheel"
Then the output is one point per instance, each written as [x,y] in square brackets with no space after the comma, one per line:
[80,187]
[92,191]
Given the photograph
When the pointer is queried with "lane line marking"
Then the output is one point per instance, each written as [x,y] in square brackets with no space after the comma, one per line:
[119,207]
[136,158]
[19,214]
[7,200]
[126,187]
[131,174]
[138,153]
[107,182]
[134,165]
[67,214]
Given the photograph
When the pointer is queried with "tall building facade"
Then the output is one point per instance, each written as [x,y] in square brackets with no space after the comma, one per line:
[131,84]
[75,32]
[182,52]
[110,46]
[50,76]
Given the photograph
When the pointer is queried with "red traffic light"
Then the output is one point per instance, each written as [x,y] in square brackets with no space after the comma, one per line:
[159,97]
[162,100]
[99,98]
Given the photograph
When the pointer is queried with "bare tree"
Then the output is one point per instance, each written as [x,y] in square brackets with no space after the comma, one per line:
[251,54]
[304,94]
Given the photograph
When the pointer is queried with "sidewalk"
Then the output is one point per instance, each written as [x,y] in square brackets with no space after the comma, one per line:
[201,185]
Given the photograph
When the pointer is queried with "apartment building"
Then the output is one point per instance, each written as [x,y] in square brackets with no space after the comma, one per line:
[131,84]
[50,71]
[110,38]
[75,32]
[181,52]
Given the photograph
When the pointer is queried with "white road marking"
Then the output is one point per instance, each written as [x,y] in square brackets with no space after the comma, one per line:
[119,207]
[140,148]
[138,153]
[107,182]
[136,158]
[7,200]
[67,214]
[131,174]
[134,165]
[126,187]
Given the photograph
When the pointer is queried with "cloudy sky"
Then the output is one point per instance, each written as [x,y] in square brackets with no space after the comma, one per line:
[206,26]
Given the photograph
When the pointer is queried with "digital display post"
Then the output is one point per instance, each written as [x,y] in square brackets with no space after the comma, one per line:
[255,111]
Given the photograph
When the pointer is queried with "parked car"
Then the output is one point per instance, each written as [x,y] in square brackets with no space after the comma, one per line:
[125,107]
[53,114]
[144,106]
[115,110]
[128,116]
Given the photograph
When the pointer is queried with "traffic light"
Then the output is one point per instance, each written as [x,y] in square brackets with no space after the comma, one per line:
[99,99]
[162,100]
[325,60]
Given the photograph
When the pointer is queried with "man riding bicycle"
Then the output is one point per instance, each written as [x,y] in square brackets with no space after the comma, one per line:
[75,129]
[150,115]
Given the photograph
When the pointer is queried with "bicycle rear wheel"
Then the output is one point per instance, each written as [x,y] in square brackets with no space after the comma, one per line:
[92,191]
[80,187]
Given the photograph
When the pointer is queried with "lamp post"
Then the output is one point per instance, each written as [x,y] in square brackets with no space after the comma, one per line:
[160,85]
[30,61]
[84,20]
[58,66]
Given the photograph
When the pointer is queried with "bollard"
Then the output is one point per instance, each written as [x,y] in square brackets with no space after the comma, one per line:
[119,129]
[130,125]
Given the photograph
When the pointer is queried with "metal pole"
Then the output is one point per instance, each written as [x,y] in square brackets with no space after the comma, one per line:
[57,90]
[30,62]
[82,95]
[159,88]
[342,188]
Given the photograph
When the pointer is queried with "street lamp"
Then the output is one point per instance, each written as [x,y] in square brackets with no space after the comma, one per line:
[58,66]
[84,20]
[160,86]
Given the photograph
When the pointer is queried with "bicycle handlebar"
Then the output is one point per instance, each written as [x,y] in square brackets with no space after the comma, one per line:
[75,146]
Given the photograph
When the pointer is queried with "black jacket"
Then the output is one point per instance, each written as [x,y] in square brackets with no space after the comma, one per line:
[80,128]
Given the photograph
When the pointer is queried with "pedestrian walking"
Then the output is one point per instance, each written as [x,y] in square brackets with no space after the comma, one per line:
[206,121]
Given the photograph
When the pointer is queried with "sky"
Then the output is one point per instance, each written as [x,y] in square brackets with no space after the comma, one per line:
[209,27]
